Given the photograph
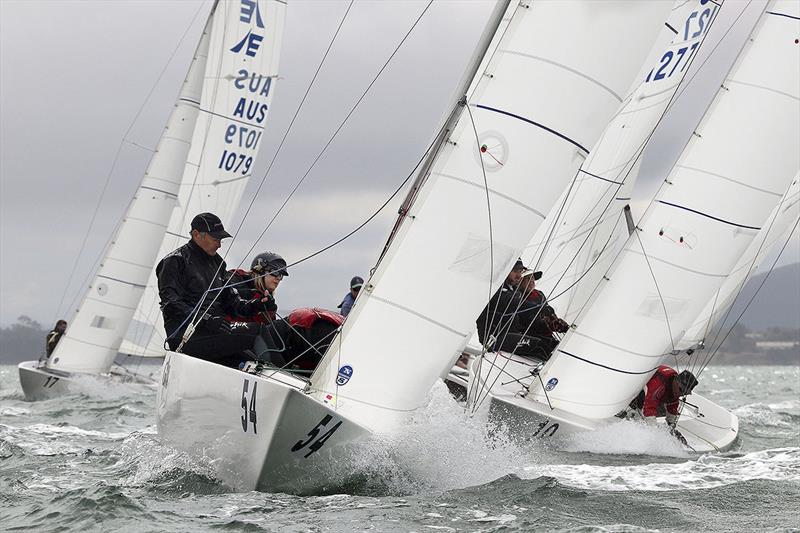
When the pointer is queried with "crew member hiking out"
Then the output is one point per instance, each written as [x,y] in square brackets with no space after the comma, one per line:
[661,396]
[192,283]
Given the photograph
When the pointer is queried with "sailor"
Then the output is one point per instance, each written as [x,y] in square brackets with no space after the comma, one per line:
[266,272]
[191,285]
[500,326]
[350,298]
[538,318]
[311,331]
[54,336]
[497,317]
[661,395]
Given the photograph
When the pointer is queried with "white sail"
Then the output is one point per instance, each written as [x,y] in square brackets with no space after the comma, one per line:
[560,71]
[95,333]
[588,224]
[240,75]
[728,179]
[780,225]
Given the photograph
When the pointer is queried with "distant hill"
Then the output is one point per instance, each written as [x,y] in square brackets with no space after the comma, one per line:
[777,304]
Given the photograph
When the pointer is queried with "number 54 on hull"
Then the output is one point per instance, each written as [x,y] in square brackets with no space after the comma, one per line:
[263,431]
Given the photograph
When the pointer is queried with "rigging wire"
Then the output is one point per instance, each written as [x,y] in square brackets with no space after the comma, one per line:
[750,301]
[338,129]
[116,160]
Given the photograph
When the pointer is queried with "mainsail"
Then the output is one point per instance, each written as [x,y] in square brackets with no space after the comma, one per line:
[209,143]
[733,171]
[780,226]
[559,72]
[589,224]
[240,76]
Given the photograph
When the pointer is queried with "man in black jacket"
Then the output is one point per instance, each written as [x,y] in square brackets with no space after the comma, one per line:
[192,283]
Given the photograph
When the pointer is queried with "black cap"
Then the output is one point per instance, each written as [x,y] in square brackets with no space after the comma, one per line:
[356,282]
[211,224]
[269,263]
[519,265]
[536,275]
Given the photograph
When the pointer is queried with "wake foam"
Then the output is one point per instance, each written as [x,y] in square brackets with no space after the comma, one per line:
[709,471]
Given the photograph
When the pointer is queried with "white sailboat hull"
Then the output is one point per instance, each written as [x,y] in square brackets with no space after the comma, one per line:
[706,426]
[42,383]
[293,444]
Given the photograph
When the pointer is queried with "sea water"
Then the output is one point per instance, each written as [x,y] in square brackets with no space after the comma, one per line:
[93,462]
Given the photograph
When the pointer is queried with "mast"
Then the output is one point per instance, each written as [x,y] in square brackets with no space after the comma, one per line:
[541,98]
[733,171]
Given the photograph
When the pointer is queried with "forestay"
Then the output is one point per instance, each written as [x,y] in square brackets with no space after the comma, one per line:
[95,333]
[559,72]
[240,76]
[728,179]
[780,226]
[588,225]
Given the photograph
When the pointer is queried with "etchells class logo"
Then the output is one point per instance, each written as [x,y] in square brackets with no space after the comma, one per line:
[345,373]
[551,384]
[251,42]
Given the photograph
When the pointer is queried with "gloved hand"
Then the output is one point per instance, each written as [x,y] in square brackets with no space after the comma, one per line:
[561,326]
[264,305]
[677,434]
[216,324]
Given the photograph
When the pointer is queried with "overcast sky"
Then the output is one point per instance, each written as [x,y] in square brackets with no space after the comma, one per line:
[73,76]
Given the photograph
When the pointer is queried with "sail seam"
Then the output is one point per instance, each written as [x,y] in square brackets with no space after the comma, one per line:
[501,195]
[620,348]
[609,367]
[726,178]
[681,267]
[159,190]
[763,87]
[568,69]
[529,121]
[122,281]
[420,315]
[712,217]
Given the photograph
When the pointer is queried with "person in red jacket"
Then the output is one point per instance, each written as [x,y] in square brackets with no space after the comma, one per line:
[661,395]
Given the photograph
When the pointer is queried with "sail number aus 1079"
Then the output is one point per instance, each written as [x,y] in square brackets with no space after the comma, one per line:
[314,445]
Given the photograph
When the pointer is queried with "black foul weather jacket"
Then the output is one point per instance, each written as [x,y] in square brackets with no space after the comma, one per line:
[183,278]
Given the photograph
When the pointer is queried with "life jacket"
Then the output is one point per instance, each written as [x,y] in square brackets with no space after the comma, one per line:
[666,403]
[317,328]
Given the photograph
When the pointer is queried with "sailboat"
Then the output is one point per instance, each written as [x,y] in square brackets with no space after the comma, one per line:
[203,160]
[544,80]
[647,296]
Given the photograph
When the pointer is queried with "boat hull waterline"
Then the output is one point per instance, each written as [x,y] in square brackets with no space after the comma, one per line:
[706,426]
[259,432]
